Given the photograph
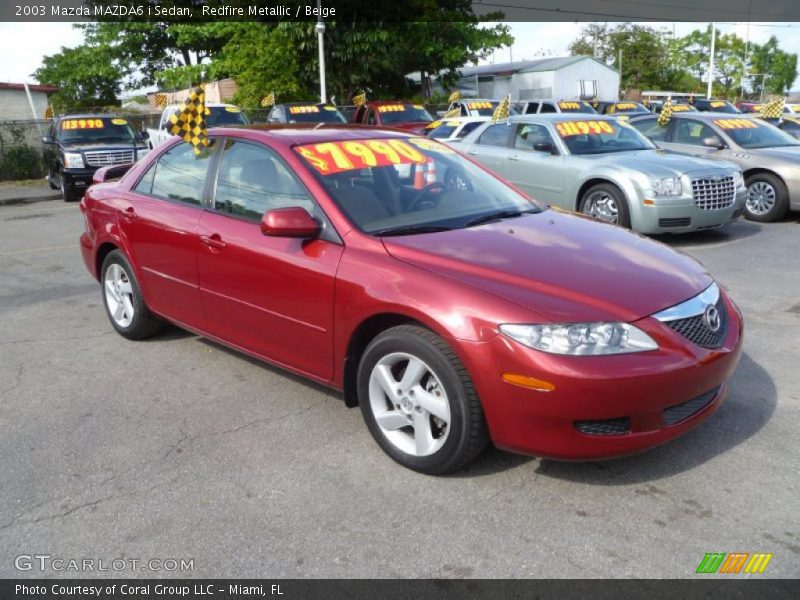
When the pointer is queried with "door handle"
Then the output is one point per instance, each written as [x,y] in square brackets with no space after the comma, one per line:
[472,152]
[513,157]
[213,241]
[130,213]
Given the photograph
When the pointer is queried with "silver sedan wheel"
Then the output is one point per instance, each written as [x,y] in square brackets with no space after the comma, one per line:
[761,198]
[409,404]
[119,295]
[602,206]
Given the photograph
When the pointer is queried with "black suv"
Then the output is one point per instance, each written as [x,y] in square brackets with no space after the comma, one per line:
[77,145]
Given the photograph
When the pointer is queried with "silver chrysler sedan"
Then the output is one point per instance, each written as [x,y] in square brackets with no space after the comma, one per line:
[769,157]
[605,168]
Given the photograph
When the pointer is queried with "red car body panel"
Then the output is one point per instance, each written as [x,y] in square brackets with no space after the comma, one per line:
[298,303]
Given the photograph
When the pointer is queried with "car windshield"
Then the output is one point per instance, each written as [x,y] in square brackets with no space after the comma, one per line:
[577,107]
[314,114]
[601,137]
[403,113]
[447,128]
[485,108]
[627,107]
[722,106]
[403,186]
[755,133]
[225,115]
[96,130]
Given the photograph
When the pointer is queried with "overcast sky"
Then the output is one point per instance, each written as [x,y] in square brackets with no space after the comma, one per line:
[22,45]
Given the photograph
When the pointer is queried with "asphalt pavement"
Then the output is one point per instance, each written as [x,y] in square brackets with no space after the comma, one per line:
[177,448]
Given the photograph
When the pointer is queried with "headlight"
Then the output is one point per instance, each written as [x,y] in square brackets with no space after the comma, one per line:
[73,160]
[666,186]
[738,179]
[582,339]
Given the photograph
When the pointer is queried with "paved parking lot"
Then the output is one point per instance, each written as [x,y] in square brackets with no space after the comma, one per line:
[179,448]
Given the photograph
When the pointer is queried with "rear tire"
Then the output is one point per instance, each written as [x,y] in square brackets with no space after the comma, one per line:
[606,202]
[418,401]
[767,198]
[123,300]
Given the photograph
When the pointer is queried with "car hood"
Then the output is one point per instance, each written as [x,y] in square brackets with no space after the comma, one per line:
[661,163]
[566,268]
[790,153]
[94,146]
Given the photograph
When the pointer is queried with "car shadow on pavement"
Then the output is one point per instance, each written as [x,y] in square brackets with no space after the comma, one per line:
[751,401]
[741,229]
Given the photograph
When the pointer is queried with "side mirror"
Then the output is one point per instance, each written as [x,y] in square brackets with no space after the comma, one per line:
[47,140]
[293,222]
[144,136]
[714,141]
[545,147]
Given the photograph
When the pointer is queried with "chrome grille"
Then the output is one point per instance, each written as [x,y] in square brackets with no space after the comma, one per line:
[713,193]
[103,158]
[681,412]
[689,318]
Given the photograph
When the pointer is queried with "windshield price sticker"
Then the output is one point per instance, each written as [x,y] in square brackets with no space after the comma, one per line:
[681,108]
[736,123]
[233,109]
[82,124]
[569,128]
[626,106]
[296,110]
[473,105]
[569,105]
[717,104]
[391,108]
[119,121]
[336,157]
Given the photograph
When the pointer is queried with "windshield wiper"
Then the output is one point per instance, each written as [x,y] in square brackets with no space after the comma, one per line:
[410,230]
[497,216]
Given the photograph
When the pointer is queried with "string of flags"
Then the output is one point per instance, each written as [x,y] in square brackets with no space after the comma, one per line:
[502,110]
[666,112]
[189,121]
[454,97]
[360,98]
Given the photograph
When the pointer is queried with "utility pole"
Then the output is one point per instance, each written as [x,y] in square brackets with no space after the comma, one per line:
[711,62]
[320,29]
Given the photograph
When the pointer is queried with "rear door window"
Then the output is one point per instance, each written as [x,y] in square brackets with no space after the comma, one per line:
[180,174]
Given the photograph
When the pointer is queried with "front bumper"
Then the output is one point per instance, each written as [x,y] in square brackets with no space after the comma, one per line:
[636,388]
[79,179]
[681,215]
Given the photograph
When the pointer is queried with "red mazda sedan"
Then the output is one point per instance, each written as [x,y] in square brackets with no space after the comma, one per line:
[452,308]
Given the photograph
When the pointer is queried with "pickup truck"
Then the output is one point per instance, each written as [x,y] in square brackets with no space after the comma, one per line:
[397,114]
[533,107]
[219,114]
[76,146]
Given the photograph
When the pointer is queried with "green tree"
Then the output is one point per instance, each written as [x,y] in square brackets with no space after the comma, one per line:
[86,76]
[780,67]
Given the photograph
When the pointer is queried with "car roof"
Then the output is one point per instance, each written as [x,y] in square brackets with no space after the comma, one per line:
[382,102]
[309,133]
[560,117]
[309,103]
[89,116]
[462,119]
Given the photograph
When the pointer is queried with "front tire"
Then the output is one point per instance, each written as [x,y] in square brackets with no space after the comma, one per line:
[606,202]
[123,300]
[419,402]
[767,198]
[67,192]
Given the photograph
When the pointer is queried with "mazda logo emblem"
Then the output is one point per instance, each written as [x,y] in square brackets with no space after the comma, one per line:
[712,318]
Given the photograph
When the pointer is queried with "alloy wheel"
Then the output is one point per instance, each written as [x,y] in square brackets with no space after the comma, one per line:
[410,404]
[119,295]
[602,206]
[761,198]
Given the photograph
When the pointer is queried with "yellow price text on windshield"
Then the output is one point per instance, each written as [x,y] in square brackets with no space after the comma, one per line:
[570,128]
[736,123]
[335,157]
[296,110]
[82,124]
[391,108]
